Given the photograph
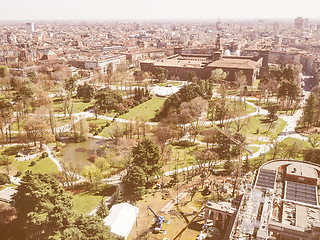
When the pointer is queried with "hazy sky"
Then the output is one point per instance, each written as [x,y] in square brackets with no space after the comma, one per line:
[159,9]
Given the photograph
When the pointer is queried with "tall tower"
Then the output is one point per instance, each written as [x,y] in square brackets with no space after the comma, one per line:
[30,28]
[218,42]
[218,25]
[264,54]
[217,51]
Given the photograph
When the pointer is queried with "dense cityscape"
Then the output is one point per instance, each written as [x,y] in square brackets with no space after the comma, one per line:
[160,129]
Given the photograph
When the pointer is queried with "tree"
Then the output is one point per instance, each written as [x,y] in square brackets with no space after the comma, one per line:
[191,77]
[4,71]
[138,76]
[228,166]
[311,110]
[86,92]
[6,112]
[107,99]
[135,182]
[241,82]
[43,207]
[312,155]
[163,133]
[192,112]
[246,166]
[109,69]
[7,214]
[185,94]
[4,179]
[32,76]
[37,129]
[87,228]
[102,209]
[314,139]
[70,85]
[25,94]
[93,174]
[218,75]
[161,74]
[206,158]
[146,155]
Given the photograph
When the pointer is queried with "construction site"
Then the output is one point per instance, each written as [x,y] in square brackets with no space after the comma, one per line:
[280,201]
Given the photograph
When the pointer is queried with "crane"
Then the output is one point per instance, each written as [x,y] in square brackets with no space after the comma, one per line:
[242,147]
[158,222]
[185,227]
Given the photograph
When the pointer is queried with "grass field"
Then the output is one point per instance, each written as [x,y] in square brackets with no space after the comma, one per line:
[264,129]
[78,106]
[45,165]
[146,110]
[85,202]
[105,131]
[248,109]
[181,157]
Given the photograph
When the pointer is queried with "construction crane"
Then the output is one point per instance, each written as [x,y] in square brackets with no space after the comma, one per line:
[185,227]
[242,147]
[158,222]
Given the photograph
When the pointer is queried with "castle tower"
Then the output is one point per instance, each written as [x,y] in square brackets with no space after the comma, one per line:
[264,54]
[217,50]
[218,42]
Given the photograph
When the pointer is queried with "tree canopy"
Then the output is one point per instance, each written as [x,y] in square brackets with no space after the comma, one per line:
[44,211]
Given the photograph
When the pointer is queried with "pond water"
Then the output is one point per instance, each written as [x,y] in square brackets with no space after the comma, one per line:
[78,153]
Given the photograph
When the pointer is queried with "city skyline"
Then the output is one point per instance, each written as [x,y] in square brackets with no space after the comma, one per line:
[18,10]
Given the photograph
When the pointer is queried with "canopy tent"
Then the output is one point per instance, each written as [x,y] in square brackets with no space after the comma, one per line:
[121,219]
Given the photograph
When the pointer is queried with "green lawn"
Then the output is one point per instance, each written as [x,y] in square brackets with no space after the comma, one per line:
[291,141]
[85,202]
[287,142]
[63,120]
[45,165]
[78,106]
[105,131]
[255,123]
[181,157]
[100,122]
[146,110]
[239,104]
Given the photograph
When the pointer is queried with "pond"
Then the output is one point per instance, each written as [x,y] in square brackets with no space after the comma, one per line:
[78,153]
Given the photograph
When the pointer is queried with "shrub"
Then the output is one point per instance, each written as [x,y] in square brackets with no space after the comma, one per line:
[44,155]
[92,158]
[18,174]
[32,163]
[4,179]
[183,143]
[108,123]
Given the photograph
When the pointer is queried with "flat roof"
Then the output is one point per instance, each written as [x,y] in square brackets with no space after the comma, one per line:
[301,216]
[175,62]
[302,170]
[234,63]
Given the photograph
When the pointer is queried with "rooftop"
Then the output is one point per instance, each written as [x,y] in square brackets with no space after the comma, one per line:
[234,63]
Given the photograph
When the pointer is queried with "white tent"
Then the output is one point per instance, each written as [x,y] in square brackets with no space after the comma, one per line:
[121,219]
